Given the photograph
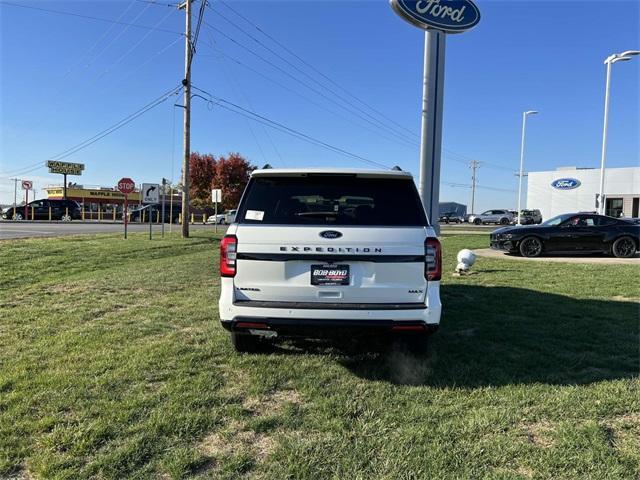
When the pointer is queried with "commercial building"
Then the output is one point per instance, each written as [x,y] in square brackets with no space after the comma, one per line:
[573,189]
[100,202]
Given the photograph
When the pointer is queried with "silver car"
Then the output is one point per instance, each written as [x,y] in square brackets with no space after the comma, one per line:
[502,217]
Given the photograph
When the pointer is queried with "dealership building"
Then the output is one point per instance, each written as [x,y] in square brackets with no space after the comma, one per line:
[574,189]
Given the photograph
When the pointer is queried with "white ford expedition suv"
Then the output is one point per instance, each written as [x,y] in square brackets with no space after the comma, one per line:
[315,253]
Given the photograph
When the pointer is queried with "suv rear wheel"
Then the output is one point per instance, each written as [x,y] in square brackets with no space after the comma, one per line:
[245,343]
[531,247]
[477,221]
[504,221]
[624,247]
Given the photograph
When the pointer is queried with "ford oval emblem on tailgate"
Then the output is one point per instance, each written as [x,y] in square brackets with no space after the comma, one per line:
[330,234]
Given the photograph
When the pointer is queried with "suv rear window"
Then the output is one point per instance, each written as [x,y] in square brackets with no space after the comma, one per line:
[331,200]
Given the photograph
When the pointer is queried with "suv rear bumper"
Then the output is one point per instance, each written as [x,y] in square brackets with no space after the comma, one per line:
[305,327]
[321,315]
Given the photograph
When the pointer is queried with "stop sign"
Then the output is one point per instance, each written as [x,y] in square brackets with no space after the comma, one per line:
[126,185]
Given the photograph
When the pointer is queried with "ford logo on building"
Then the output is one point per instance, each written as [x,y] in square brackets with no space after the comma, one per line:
[566,183]
[331,234]
[451,16]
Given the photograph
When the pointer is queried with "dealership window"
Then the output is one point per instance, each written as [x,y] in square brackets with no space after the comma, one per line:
[613,207]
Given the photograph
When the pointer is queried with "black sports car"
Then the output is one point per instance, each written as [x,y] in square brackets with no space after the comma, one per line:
[571,233]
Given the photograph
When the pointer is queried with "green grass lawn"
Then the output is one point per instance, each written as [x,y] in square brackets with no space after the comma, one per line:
[113,365]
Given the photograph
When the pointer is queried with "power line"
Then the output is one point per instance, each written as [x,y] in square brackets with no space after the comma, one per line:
[313,89]
[136,45]
[116,126]
[315,69]
[313,102]
[152,2]
[362,113]
[283,128]
[100,19]
[326,77]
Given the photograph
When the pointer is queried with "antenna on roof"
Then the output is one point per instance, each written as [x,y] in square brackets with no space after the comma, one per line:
[397,168]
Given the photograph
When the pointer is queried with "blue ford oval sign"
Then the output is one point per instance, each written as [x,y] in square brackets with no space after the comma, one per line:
[331,234]
[566,183]
[451,16]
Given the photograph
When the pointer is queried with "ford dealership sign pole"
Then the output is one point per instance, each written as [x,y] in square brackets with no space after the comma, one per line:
[437,18]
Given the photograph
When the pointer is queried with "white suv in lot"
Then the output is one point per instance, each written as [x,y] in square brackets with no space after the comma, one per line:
[315,253]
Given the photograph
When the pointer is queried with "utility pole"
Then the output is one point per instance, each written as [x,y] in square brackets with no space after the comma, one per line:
[186,82]
[473,165]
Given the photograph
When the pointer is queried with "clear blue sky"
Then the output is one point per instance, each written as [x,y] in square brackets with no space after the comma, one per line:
[66,78]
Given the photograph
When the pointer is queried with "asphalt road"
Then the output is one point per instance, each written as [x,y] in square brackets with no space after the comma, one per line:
[9,229]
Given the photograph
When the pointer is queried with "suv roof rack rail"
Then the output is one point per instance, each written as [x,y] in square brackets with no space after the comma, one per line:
[267,166]
[396,168]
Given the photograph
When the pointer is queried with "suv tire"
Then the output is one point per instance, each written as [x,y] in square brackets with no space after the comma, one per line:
[245,343]
[504,221]
[530,247]
[477,221]
[624,247]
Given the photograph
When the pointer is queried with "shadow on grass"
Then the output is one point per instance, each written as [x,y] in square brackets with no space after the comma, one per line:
[492,336]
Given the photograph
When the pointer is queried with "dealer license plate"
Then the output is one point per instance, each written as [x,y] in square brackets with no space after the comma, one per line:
[330,274]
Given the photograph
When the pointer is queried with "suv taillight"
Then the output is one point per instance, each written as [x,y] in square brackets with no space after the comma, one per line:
[432,259]
[228,249]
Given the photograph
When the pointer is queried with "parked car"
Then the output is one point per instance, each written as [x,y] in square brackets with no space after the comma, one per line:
[64,210]
[137,214]
[298,262]
[220,219]
[230,217]
[450,217]
[502,217]
[571,233]
[528,217]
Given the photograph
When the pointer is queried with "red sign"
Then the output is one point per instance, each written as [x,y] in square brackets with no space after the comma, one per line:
[126,185]
[27,184]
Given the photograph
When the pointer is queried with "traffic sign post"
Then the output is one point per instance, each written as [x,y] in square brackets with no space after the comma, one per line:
[126,186]
[150,196]
[26,186]
[164,196]
[216,196]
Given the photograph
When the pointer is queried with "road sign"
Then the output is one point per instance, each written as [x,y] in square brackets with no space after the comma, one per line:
[27,184]
[126,185]
[65,168]
[216,195]
[150,193]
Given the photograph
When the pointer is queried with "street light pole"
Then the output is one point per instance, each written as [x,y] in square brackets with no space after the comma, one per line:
[524,131]
[610,60]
